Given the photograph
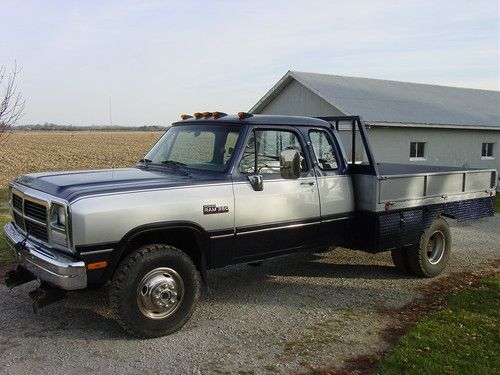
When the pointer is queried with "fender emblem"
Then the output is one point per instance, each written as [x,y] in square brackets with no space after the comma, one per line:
[211,209]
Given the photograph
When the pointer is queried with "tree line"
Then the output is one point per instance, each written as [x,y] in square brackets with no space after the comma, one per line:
[56,127]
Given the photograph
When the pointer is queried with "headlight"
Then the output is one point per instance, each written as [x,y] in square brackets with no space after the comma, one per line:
[61,216]
[58,217]
[58,220]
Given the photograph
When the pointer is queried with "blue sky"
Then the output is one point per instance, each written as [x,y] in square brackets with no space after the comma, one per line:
[158,59]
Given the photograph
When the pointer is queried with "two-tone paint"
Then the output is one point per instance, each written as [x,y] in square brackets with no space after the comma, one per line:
[230,221]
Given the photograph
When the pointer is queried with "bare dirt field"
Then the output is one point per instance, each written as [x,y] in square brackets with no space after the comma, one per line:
[27,152]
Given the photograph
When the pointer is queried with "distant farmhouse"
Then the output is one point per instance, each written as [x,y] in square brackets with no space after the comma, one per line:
[407,122]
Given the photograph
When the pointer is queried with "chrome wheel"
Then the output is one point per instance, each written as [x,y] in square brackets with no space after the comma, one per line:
[160,293]
[435,247]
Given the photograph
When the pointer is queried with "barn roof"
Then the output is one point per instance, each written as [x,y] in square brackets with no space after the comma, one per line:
[392,102]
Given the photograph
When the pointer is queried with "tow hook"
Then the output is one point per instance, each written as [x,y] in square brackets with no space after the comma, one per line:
[18,277]
[44,295]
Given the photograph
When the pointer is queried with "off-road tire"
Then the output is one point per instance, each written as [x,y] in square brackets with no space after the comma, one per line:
[124,289]
[400,259]
[418,256]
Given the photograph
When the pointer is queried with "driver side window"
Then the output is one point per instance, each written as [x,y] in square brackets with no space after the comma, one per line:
[263,149]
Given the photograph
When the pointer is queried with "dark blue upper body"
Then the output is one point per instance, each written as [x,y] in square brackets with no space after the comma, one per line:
[71,185]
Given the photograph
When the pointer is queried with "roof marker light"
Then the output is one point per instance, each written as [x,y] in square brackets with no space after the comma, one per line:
[185,117]
[198,115]
[219,114]
[207,114]
[243,115]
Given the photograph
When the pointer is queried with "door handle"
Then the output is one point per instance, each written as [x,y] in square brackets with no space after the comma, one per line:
[310,183]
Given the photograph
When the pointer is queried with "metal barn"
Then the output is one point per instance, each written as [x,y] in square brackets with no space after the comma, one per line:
[406,122]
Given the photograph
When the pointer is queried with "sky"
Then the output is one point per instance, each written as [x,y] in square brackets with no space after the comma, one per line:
[158,59]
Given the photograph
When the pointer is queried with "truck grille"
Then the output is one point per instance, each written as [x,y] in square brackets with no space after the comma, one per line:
[30,217]
[17,202]
[37,231]
[35,211]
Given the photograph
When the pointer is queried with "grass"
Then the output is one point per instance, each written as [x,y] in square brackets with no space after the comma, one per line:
[4,200]
[5,256]
[462,338]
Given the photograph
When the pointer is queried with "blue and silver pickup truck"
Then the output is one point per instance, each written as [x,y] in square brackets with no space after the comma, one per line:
[217,190]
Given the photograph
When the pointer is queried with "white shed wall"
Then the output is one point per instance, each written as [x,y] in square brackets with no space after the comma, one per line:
[451,147]
[297,100]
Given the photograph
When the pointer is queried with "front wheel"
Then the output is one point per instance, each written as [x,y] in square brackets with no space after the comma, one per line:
[155,290]
[430,256]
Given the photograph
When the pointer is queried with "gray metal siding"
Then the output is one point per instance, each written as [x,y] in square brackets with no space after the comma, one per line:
[392,101]
[297,100]
[448,147]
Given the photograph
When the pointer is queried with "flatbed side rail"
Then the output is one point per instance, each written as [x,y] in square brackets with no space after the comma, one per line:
[444,185]
[356,123]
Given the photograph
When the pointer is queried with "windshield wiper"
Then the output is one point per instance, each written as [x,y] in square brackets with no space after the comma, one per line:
[174,163]
[176,166]
[145,162]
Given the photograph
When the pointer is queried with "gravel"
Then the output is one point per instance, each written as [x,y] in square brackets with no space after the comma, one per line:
[290,314]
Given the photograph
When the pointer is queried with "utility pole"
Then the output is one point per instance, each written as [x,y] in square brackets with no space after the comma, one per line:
[110,113]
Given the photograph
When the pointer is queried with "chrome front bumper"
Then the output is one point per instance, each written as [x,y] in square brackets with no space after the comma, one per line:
[46,265]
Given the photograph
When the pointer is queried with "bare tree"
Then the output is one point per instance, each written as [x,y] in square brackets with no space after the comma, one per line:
[11,101]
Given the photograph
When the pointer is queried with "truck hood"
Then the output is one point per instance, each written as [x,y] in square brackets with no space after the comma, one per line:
[75,184]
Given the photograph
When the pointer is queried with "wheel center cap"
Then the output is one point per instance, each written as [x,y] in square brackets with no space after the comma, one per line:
[166,295]
[160,293]
[163,294]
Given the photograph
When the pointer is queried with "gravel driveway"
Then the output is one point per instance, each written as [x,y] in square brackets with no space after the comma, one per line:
[291,314]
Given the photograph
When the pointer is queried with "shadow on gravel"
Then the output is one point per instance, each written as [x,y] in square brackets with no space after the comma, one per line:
[295,281]
[80,316]
[343,271]
[310,265]
[303,280]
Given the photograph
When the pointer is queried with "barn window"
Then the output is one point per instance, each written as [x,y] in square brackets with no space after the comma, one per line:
[417,150]
[487,151]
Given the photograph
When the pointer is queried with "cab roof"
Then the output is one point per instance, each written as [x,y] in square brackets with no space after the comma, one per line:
[259,120]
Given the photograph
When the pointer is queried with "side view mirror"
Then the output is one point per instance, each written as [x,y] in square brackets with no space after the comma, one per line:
[290,164]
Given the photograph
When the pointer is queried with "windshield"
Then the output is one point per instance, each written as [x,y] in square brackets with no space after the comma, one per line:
[205,147]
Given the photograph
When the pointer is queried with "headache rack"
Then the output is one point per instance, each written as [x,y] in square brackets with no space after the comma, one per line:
[369,167]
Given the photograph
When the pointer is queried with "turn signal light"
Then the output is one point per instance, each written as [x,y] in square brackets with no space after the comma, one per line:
[97,265]
[185,117]
[198,115]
